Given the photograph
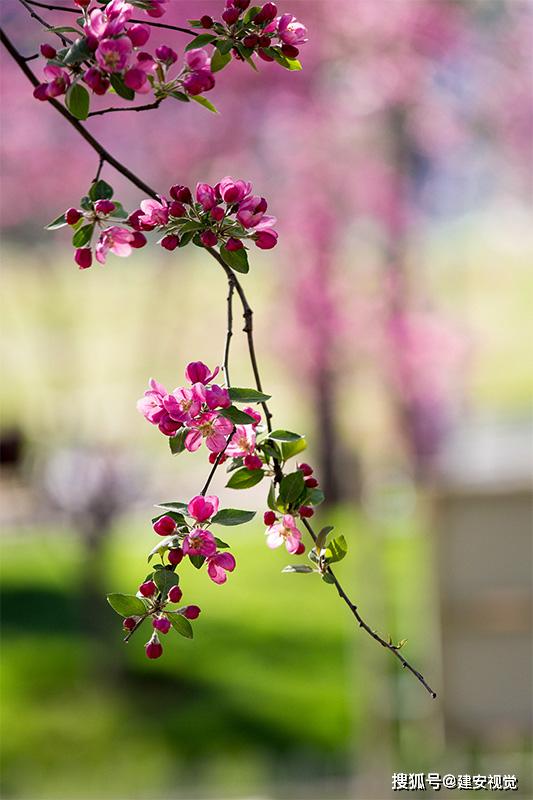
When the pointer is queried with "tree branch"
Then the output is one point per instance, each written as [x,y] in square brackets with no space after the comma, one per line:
[27,5]
[112,110]
[234,282]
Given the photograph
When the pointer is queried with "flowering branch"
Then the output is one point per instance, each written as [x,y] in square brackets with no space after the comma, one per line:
[146,107]
[221,216]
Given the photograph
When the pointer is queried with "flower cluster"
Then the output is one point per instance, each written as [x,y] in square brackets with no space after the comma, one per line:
[224,214]
[108,55]
[243,32]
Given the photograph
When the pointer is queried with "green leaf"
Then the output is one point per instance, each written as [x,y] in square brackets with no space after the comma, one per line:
[76,53]
[271,499]
[237,416]
[224,46]
[180,623]
[180,96]
[247,395]
[290,449]
[86,203]
[77,101]
[195,23]
[336,550]
[58,222]
[203,101]
[197,561]
[100,190]
[127,605]
[83,236]
[221,544]
[236,259]
[314,497]
[177,442]
[327,578]
[292,486]
[174,505]
[251,13]
[245,478]
[185,238]
[285,436]
[200,41]
[64,29]
[160,546]
[119,212]
[293,64]
[120,87]
[220,60]
[164,579]
[322,537]
[178,518]
[302,568]
[232,516]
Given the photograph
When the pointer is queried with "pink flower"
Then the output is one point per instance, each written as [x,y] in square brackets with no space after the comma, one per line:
[251,211]
[57,84]
[199,543]
[110,22]
[138,35]
[290,31]
[151,404]
[252,462]
[253,413]
[199,82]
[266,240]
[156,8]
[284,532]
[206,196]
[233,191]
[154,212]
[197,59]
[113,54]
[216,397]
[164,526]
[115,240]
[135,78]
[183,404]
[211,427]
[198,372]
[203,508]
[242,442]
[217,566]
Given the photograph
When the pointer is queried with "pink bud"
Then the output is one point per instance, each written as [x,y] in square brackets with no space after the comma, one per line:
[148,588]
[290,51]
[234,244]
[138,34]
[96,81]
[242,4]
[129,623]
[72,215]
[252,462]
[217,213]
[305,468]
[104,206]
[175,594]
[207,22]
[166,54]
[175,556]
[251,41]
[138,241]
[177,209]
[311,483]
[264,56]
[154,648]
[165,526]
[48,51]
[161,624]
[135,78]
[300,550]
[266,240]
[264,41]
[169,242]
[231,15]
[41,92]
[191,612]
[181,193]
[267,13]
[213,457]
[306,511]
[82,3]
[83,257]
[208,239]
[269,518]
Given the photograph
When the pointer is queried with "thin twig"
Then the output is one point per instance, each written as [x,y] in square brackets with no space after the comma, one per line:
[99,170]
[229,329]
[65,39]
[248,329]
[113,110]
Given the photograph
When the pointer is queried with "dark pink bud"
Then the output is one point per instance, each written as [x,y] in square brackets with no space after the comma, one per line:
[264,41]
[83,257]
[234,244]
[191,612]
[165,526]
[217,213]
[311,483]
[138,241]
[177,209]
[267,13]
[242,4]
[301,549]
[199,81]
[264,56]
[154,648]
[175,594]
[133,219]
[231,15]
[138,35]
[169,242]
[92,42]
[207,22]
[305,468]
[252,462]
[48,51]
[129,623]
[175,556]
[166,54]
[96,81]
[181,193]
[306,511]
[135,78]
[290,51]
[41,92]
[269,518]
[251,41]
[266,240]
[208,239]
[148,588]
[213,458]
[82,3]
[161,624]
[72,215]
[104,206]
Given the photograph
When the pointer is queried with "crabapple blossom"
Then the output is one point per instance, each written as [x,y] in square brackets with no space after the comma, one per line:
[175,556]
[83,257]
[161,624]
[198,372]
[284,532]
[175,594]
[115,240]
[218,564]
[242,442]
[154,648]
[199,543]
[203,508]
[211,427]
[164,526]
[113,55]
[290,31]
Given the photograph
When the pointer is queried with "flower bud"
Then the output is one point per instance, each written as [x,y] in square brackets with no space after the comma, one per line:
[252,462]
[191,612]
[242,4]
[104,206]
[48,51]
[175,556]
[213,457]
[96,81]
[154,648]
[264,41]
[217,213]
[138,241]
[82,3]
[264,56]
[208,239]
[305,468]
[231,15]
[169,242]
[306,511]
[161,624]
[129,623]
[135,78]
[166,54]
[251,41]
[164,526]
[138,35]
[290,51]
[83,257]
[311,483]
[148,588]
[175,594]
[177,209]
[72,215]
[266,240]
[300,550]
[269,518]
[234,244]
[267,14]
[181,193]
[207,22]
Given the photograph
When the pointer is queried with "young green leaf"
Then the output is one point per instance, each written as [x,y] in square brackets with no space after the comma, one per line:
[290,449]
[236,415]
[127,605]
[245,478]
[77,101]
[197,561]
[247,395]
[180,623]
[322,537]
[117,82]
[100,190]
[314,497]
[174,505]
[291,488]
[200,41]
[58,222]
[219,60]
[232,516]
[336,550]
[236,259]
[285,436]
[76,53]
[224,46]
[164,579]
[177,442]
[302,568]
[83,236]
[203,101]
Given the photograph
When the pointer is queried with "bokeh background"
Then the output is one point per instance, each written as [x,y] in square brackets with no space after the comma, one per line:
[393,326]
